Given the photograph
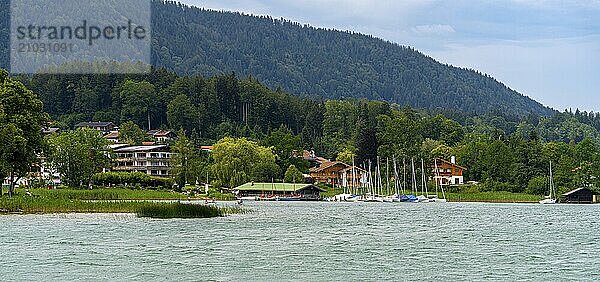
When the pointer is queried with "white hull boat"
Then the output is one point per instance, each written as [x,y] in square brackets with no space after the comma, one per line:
[548,201]
[422,199]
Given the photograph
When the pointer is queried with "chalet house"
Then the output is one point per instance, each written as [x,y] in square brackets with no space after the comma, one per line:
[112,136]
[162,136]
[312,158]
[50,130]
[337,173]
[448,172]
[207,148]
[104,127]
[152,160]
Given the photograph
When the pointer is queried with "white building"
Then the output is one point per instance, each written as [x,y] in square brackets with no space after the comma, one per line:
[152,160]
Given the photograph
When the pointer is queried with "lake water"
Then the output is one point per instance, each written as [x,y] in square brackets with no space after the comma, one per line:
[311,242]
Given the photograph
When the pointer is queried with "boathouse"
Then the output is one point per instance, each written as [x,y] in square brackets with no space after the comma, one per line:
[303,191]
[581,196]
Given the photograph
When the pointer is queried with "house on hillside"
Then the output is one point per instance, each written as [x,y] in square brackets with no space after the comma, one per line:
[162,136]
[338,173]
[50,130]
[149,159]
[447,172]
[112,136]
[207,148]
[104,127]
[312,158]
[307,192]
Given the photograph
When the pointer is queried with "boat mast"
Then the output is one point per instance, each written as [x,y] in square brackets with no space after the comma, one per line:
[353,178]
[413,185]
[379,186]
[403,175]
[551,182]
[424,187]
[370,179]
[387,176]
[437,174]
[396,178]
[435,177]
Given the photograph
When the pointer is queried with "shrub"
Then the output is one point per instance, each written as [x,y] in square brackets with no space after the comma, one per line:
[136,179]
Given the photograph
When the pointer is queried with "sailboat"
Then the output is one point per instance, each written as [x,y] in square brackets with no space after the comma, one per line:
[551,198]
[387,198]
[424,197]
[410,197]
[406,197]
[435,198]
[396,196]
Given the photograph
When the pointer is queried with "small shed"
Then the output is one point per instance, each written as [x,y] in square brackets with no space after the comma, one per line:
[581,196]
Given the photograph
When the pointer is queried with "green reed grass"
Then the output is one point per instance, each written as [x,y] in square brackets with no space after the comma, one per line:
[44,205]
[105,194]
[178,210]
[493,197]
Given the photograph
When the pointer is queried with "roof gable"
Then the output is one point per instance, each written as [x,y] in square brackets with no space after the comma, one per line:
[450,163]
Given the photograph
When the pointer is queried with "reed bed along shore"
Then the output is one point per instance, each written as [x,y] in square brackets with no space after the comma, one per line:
[44,205]
[178,210]
[493,197]
[104,194]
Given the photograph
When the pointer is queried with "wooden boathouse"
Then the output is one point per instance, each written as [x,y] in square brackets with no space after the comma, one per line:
[581,196]
[307,192]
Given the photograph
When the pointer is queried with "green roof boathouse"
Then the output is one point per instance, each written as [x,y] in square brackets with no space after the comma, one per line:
[279,192]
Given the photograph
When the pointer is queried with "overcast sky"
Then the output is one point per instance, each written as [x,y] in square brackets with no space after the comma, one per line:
[548,50]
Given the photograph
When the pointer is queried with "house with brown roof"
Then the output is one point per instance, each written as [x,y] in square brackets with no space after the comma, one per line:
[447,172]
[162,136]
[101,126]
[312,158]
[337,173]
[112,136]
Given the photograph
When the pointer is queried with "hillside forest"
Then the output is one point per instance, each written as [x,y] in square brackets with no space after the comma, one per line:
[501,152]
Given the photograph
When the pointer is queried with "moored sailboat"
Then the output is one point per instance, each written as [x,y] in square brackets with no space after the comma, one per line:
[551,198]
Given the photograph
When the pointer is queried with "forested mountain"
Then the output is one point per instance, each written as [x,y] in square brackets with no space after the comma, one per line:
[325,63]
[316,62]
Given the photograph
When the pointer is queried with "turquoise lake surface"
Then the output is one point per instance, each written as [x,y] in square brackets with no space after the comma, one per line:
[304,241]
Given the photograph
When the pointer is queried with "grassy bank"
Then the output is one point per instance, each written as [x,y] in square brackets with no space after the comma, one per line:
[493,197]
[105,194]
[98,201]
[102,194]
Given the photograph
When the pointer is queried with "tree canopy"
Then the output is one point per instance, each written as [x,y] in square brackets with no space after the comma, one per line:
[21,121]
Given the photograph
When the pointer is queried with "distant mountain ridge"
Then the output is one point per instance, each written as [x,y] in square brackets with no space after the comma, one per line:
[320,63]
[324,63]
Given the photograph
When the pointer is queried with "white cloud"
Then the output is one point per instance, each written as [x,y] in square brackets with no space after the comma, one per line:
[433,29]
[556,72]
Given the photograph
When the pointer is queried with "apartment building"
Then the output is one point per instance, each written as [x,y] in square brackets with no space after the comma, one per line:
[149,159]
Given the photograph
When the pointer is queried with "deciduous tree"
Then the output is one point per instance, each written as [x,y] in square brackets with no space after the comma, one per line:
[21,121]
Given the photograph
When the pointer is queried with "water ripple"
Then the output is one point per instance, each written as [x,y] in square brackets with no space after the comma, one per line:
[310,241]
